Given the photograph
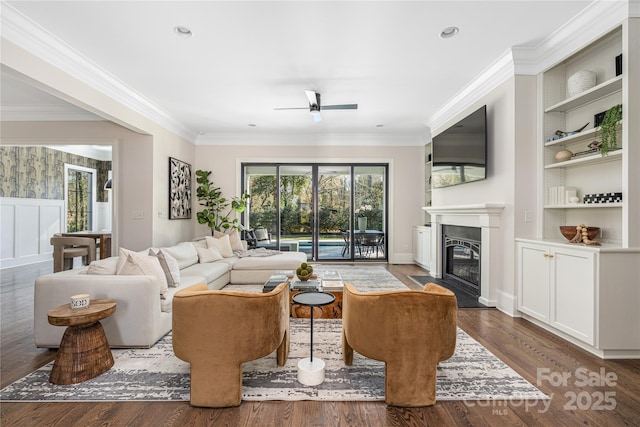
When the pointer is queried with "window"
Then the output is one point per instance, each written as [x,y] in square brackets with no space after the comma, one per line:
[80,197]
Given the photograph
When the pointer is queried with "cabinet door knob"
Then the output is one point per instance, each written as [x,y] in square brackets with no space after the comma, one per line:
[548,256]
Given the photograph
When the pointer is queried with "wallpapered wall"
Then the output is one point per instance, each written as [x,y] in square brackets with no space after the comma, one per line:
[38,172]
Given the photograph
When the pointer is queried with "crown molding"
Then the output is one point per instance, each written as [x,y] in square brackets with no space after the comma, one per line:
[28,35]
[497,73]
[300,139]
[599,18]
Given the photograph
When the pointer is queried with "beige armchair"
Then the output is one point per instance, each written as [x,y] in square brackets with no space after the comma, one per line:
[411,331]
[217,331]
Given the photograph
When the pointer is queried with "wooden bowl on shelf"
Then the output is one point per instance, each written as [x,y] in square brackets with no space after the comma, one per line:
[569,232]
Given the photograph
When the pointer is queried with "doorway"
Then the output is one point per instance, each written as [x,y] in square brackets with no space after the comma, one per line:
[332,212]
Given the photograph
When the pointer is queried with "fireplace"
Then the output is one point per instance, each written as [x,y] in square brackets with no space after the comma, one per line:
[461,249]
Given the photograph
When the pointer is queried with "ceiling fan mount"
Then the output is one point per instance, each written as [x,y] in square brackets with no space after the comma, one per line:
[315,105]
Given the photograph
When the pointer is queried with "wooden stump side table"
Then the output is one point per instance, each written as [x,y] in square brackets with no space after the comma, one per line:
[84,351]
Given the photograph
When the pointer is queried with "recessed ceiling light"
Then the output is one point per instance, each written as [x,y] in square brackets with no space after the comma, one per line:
[252,125]
[449,32]
[182,31]
[379,126]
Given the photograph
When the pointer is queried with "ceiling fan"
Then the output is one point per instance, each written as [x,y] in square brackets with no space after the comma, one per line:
[315,106]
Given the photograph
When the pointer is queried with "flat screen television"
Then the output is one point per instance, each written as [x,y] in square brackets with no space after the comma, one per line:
[459,154]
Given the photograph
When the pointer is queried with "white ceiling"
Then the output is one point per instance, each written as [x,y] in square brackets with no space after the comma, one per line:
[247,58]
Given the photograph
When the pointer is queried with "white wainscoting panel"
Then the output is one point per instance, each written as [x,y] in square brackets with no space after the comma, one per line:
[27,226]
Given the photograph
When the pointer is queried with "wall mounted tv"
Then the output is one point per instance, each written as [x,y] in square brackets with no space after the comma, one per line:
[460,152]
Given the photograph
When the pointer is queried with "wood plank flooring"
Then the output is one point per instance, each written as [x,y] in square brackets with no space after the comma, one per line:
[523,346]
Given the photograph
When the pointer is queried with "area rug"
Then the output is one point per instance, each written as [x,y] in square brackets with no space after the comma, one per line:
[155,374]
[464,299]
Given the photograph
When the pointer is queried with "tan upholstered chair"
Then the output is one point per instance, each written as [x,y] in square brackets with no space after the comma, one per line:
[411,331]
[65,249]
[217,331]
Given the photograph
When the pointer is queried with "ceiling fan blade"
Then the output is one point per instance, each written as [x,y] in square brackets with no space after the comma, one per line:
[292,108]
[313,97]
[340,107]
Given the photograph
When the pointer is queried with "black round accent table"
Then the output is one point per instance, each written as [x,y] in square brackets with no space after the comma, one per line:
[310,371]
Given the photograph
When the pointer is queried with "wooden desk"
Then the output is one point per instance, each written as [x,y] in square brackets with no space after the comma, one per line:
[84,351]
[103,239]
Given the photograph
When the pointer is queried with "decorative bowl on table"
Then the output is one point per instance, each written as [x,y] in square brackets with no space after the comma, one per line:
[569,231]
[305,272]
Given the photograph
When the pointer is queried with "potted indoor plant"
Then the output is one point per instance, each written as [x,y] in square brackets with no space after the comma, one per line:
[362,213]
[609,129]
[217,209]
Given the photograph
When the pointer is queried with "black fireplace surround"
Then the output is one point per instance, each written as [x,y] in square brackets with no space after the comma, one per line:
[461,257]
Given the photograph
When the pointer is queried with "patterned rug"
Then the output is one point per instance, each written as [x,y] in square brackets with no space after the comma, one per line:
[155,374]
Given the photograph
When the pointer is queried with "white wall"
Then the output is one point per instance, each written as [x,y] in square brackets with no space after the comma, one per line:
[406,170]
[511,174]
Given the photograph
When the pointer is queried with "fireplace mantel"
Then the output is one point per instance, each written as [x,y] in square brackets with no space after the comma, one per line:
[481,209]
[485,216]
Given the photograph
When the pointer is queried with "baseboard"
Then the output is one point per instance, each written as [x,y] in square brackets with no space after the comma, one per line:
[507,303]
[401,258]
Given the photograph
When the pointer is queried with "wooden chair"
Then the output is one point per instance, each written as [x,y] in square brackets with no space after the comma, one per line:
[65,249]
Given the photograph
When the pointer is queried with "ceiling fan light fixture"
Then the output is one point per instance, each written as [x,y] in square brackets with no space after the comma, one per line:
[449,32]
[182,31]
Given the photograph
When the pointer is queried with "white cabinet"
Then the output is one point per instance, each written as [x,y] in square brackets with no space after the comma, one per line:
[586,294]
[422,246]
[556,286]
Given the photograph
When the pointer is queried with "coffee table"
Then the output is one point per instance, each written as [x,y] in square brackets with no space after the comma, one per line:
[84,351]
[310,371]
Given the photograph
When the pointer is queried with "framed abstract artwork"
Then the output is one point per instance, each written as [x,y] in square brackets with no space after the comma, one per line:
[179,189]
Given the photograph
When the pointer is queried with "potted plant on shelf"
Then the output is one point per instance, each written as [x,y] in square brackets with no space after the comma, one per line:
[217,209]
[609,129]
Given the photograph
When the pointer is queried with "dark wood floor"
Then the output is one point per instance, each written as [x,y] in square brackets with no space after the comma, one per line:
[524,347]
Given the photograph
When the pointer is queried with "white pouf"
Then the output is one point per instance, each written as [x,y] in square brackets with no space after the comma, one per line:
[311,373]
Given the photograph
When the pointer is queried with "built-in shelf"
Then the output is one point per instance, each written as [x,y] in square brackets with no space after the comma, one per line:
[588,159]
[584,206]
[589,95]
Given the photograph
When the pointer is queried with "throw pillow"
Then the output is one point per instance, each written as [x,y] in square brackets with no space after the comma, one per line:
[208,255]
[169,266]
[132,263]
[235,240]
[223,245]
[106,266]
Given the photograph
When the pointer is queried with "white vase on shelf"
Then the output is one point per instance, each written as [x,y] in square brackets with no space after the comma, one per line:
[362,223]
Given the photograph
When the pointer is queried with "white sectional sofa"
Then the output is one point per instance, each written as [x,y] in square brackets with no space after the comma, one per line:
[142,317]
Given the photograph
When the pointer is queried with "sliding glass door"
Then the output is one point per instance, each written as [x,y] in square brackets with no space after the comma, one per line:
[331,212]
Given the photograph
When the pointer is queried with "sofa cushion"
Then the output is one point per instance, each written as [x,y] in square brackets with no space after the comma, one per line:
[222,244]
[206,255]
[282,261]
[169,265]
[132,263]
[105,266]
[185,253]
[210,271]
